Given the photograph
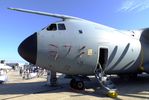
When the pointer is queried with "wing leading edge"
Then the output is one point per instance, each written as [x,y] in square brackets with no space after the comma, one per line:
[64,17]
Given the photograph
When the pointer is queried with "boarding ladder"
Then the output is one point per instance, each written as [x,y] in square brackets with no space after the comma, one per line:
[105,83]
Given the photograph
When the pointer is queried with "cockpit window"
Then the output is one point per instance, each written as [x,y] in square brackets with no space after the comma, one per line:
[52,27]
[61,27]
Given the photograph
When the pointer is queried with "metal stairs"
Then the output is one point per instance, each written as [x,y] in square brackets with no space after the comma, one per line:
[106,83]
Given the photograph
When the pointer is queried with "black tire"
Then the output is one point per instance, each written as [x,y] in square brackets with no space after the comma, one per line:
[80,85]
[73,83]
[1,82]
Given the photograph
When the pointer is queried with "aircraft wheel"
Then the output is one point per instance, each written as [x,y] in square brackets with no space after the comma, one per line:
[73,83]
[77,84]
[80,85]
[1,82]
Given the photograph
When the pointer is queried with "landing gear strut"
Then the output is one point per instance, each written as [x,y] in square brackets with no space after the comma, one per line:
[77,84]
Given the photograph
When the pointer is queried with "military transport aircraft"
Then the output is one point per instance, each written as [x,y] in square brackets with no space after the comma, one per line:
[78,47]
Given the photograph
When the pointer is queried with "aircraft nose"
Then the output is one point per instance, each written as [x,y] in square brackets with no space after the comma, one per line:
[28,49]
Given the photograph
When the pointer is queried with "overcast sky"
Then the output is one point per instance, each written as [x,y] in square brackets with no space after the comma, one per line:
[16,26]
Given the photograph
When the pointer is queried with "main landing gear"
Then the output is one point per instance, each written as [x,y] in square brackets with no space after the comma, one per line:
[79,85]
[105,82]
[77,82]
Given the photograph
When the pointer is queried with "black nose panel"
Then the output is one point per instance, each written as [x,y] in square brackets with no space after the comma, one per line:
[28,49]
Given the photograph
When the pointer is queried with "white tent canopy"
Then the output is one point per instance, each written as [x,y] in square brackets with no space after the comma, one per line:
[3,66]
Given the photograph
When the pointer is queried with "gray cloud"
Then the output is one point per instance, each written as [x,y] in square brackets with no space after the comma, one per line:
[134,5]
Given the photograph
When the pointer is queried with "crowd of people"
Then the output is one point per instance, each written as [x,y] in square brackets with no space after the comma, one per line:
[26,71]
[31,71]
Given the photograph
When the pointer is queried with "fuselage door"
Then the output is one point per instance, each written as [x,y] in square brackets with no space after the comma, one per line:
[103,57]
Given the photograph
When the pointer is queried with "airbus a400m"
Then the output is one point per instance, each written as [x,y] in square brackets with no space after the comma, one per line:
[78,47]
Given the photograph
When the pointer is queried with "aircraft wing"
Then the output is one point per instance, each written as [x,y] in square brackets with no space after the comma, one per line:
[44,13]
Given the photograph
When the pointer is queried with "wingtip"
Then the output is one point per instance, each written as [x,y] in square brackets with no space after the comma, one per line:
[10,8]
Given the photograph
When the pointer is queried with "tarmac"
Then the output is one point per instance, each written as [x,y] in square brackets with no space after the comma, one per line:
[37,89]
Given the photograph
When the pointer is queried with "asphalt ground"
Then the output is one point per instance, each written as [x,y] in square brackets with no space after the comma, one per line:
[37,89]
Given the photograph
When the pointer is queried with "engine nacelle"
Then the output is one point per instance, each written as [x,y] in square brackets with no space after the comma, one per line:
[144,39]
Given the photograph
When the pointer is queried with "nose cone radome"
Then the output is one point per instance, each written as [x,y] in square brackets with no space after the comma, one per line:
[28,49]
